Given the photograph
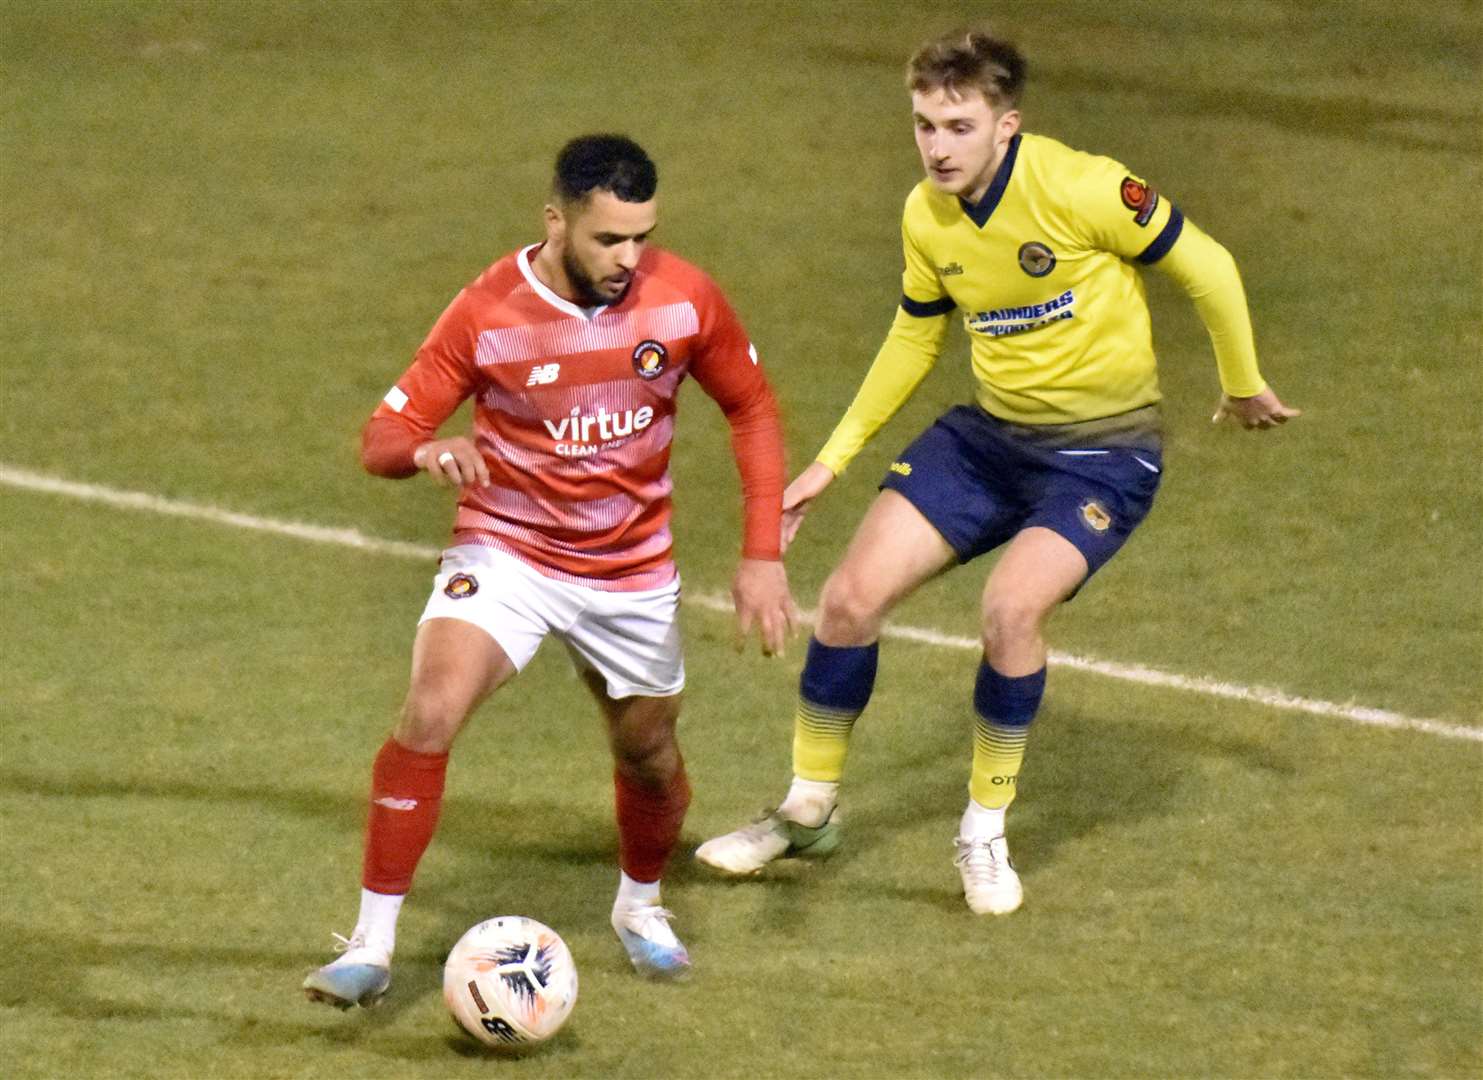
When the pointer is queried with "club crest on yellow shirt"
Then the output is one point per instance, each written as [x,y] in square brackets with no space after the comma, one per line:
[1036,259]
[1096,516]
[649,359]
[460,586]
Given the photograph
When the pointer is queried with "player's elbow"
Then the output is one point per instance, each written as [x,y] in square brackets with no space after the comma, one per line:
[370,460]
[755,412]
[386,450]
[1222,262]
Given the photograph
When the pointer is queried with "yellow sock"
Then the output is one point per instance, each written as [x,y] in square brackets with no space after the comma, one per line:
[821,739]
[997,753]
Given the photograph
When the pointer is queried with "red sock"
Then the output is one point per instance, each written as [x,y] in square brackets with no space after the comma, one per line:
[649,824]
[406,795]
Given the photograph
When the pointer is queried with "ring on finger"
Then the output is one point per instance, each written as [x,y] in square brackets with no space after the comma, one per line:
[445,457]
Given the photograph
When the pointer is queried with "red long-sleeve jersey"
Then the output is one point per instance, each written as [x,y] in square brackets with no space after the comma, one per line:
[574,415]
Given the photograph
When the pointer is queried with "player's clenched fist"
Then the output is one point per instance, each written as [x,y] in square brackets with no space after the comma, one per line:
[452,462]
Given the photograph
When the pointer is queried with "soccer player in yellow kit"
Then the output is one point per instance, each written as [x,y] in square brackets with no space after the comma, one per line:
[1039,247]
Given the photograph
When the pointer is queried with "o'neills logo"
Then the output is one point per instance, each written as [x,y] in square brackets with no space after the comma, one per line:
[584,434]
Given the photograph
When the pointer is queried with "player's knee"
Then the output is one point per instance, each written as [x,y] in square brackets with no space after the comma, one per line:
[647,762]
[1013,617]
[848,613]
[430,720]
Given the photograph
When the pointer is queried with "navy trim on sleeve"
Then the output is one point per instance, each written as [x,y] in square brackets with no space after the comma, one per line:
[1165,240]
[925,308]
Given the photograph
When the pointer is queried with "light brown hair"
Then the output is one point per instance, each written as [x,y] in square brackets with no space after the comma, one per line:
[969,60]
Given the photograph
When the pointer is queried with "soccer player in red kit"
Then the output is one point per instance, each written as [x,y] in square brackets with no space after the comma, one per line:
[573,351]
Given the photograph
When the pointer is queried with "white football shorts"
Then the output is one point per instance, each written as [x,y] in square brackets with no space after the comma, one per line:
[631,639]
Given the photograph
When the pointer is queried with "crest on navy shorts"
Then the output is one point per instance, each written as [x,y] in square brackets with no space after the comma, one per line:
[1036,259]
[460,586]
[1141,199]
[650,359]
[1095,516]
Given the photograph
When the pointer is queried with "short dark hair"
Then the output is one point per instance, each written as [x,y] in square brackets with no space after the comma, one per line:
[613,163]
[970,60]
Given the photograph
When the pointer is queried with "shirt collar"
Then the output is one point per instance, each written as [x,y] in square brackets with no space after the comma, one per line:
[981,211]
[549,295]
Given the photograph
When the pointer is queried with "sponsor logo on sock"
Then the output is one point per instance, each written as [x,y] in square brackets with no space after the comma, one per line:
[392,803]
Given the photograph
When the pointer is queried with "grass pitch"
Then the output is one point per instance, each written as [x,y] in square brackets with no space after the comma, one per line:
[225,228]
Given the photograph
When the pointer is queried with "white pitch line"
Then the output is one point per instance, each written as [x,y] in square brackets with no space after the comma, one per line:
[1147,676]
[27,480]
[157,504]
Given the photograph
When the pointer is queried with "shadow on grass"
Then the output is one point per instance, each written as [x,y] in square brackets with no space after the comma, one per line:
[56,973]
[517,825]
[1083,773]
[515,855]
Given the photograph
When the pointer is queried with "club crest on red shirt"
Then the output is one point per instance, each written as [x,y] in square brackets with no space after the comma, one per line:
[650,359]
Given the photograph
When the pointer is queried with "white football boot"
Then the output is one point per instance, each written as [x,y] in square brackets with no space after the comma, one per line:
[990,884]
[771,836]
[359,976]
[649,939]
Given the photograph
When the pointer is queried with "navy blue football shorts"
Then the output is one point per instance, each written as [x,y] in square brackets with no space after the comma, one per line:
[980,480]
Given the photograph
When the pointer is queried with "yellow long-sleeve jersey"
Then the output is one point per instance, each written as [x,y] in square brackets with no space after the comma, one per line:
[1044,269]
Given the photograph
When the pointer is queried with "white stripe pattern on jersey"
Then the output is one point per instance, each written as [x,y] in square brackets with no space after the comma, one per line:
[653,545]
[556,402]
[559,338]
[590,515]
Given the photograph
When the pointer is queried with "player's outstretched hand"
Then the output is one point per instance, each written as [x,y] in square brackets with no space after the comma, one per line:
[454,462]
[760,593]
[806,486]
[1262,411]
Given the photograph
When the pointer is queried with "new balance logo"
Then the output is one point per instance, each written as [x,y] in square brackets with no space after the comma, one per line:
[396,804]
[543,374]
